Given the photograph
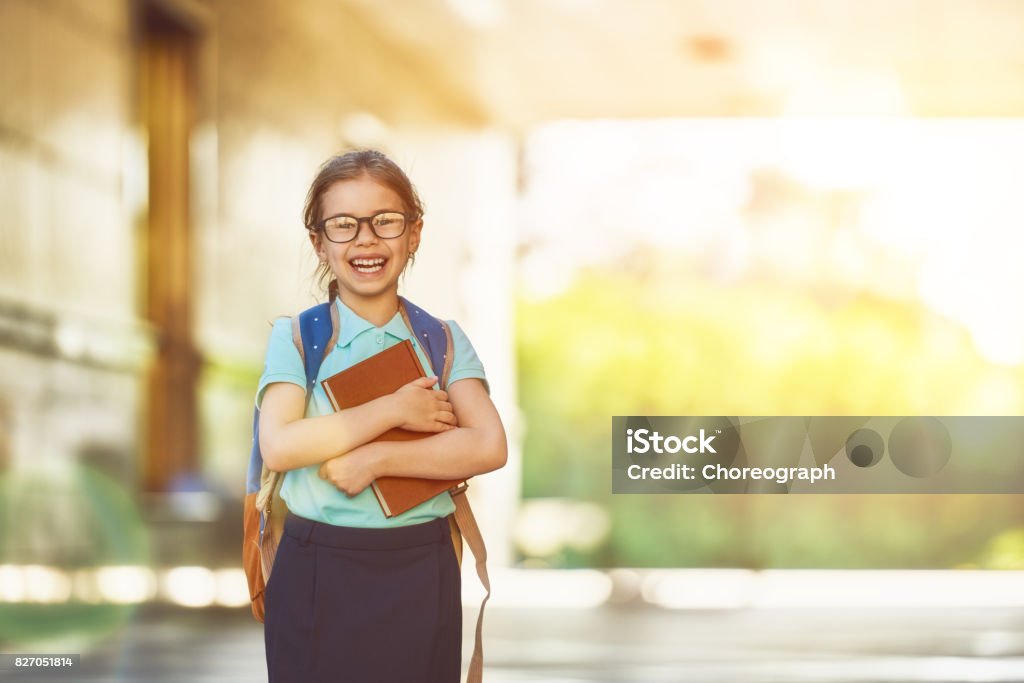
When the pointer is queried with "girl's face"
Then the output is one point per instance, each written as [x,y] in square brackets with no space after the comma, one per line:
[364,197]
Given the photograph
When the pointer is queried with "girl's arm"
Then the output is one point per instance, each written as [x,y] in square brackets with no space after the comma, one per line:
[476,446]
[288,441]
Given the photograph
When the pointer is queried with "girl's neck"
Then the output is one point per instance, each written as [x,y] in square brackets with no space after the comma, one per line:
[377,310]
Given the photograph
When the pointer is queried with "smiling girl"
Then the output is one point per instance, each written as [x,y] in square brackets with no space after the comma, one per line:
[355,595]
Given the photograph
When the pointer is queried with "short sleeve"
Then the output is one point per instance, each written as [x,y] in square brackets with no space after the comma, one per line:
[283,363]
[466,364]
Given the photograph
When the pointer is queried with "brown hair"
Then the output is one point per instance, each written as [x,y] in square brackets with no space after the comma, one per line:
[349,166]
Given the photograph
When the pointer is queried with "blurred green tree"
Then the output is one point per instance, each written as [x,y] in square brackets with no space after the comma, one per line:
[621,342]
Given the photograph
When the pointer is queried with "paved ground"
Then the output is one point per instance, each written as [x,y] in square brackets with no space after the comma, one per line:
[622,644]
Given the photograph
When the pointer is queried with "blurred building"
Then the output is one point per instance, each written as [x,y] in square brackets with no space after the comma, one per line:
[155,156]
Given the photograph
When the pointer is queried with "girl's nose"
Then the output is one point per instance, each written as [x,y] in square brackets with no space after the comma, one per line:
[367,236]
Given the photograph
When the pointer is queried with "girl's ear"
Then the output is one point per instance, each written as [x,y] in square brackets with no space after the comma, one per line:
[414,235]
[315,241]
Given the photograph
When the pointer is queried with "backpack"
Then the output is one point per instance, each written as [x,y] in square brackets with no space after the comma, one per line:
[315,332]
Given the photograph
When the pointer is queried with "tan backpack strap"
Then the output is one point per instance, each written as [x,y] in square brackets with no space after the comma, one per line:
[449,355]
[336,327]
[269,481]
[453,527]
[297,338]
[464,519]
[471,534]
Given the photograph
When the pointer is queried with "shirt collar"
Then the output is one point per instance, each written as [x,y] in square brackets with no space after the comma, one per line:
[352,325]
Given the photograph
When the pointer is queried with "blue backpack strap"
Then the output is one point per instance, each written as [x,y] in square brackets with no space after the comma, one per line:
[433,335]
[314,332]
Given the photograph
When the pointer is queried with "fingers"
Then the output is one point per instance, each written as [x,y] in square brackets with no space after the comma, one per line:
[428,383]
[442,422]
[420,383]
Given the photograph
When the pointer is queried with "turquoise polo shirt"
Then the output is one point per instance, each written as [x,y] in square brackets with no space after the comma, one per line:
[305,493]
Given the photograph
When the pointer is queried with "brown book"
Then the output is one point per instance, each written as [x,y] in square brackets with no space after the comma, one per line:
[380,374]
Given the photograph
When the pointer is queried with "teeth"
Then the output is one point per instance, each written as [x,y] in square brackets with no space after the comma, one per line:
[367,265]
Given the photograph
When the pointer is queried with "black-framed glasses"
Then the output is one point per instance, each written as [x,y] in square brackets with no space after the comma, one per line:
[343,228]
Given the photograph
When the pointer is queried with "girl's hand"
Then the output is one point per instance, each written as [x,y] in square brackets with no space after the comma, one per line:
[350,473]
[424,409]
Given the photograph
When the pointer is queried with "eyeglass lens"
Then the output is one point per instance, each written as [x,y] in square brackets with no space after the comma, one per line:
[345,228]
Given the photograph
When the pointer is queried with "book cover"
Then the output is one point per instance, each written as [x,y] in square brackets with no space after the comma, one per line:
[380,374]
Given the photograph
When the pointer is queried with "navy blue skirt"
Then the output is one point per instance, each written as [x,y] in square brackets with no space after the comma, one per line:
[364,605]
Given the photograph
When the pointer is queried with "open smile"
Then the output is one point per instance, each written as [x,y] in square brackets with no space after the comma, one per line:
[369,265]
